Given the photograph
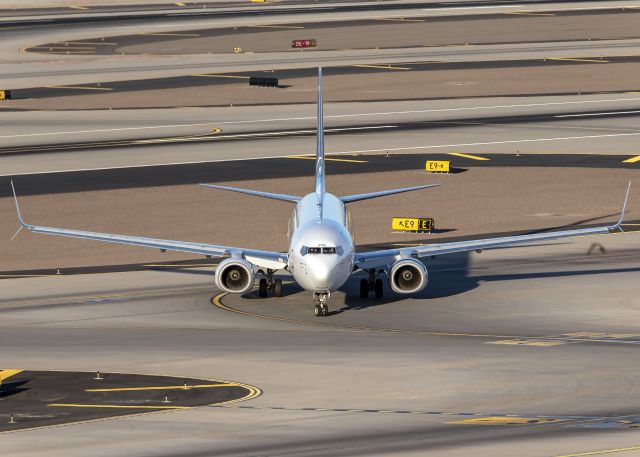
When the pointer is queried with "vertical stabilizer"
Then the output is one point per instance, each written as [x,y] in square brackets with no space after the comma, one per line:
[320,184]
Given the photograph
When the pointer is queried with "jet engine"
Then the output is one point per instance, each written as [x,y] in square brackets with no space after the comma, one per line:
[235,275]
[407,276]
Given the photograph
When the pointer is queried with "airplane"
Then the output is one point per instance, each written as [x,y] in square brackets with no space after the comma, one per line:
[321,256]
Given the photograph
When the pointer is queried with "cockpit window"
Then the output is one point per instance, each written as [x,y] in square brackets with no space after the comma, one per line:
[321,250]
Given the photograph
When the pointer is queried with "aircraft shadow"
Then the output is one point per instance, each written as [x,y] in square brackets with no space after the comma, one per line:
[453,279]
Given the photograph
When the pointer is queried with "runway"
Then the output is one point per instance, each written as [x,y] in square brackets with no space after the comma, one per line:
[119,111]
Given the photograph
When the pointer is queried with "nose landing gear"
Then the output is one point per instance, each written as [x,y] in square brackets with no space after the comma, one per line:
[321,308]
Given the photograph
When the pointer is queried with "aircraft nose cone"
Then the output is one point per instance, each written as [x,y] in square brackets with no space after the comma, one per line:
[321,273]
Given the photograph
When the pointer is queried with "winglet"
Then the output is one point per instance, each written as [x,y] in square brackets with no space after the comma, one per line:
[15,198]
[618,224]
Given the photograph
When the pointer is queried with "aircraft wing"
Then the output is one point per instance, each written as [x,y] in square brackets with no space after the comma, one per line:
[265,259]
[383,193]
[384,257]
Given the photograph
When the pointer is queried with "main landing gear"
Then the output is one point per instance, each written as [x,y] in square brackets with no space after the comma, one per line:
[321,308]
[268,283]
[371,284]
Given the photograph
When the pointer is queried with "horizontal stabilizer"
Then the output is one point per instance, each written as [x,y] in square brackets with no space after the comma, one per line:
[257,193]
[383,193]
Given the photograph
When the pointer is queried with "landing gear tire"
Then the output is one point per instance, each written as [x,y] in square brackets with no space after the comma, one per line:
[277,288]
[321,310]
[262,288]
[364,288]
[379,289]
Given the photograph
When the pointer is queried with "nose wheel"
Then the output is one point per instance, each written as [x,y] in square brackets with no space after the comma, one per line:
[321,308]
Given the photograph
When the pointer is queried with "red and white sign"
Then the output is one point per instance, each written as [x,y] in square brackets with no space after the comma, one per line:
[301,44]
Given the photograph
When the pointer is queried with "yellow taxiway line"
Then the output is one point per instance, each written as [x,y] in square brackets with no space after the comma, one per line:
[504,420]
[632,160]
[384,67]
[330,159]
[467,156]
[78,7]
[79,87]
[74,405]
[184,387]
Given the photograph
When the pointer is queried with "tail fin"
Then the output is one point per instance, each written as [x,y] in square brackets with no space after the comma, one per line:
[320,182]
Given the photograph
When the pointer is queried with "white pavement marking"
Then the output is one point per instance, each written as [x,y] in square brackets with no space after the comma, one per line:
[361,151]
[335,116]
[597,114]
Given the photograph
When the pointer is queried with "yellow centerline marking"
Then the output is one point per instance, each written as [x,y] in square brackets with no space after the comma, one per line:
[180,4]
[6,374]
[576,59]
[183,387]
[539,343]
[467,156]
[503,420]
[632,160]
[277,26]
[328,159]
[74,405]
[607,451]
[385,67]
[169,34]
[78,7]
[204,75]
[79,87]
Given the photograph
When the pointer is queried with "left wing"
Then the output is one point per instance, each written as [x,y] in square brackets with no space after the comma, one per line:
[375,259]
[265,259]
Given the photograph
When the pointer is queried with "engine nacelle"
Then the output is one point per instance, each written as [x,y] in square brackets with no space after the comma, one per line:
[235,275]
[408,276]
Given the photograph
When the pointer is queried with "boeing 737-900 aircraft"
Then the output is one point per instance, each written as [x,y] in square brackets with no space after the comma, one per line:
[321,255]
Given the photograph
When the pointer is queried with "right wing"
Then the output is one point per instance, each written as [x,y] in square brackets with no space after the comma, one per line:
[257,193]
[383,193]
[375,259]
[265,259]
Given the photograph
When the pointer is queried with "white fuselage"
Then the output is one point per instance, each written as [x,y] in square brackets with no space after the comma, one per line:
[321,251]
